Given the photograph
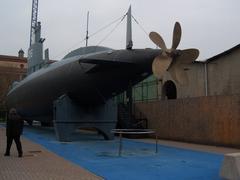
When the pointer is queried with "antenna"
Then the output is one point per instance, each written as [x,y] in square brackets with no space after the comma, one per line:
[87,29]
[33,20]
[129,43]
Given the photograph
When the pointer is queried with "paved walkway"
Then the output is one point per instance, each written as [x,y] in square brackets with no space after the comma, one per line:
[175,160]
[138,161]
[37,164]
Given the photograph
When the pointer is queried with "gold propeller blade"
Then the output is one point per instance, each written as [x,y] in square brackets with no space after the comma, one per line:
[181,59]
[177,33]
[158,40]
[188,55]
[181,64]
[160,65]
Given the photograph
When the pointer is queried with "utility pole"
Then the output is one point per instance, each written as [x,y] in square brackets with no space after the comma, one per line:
[129,45]
[129,42]
[87,29]
[33,20]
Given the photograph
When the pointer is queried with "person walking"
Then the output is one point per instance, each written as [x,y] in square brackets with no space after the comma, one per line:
[13,131]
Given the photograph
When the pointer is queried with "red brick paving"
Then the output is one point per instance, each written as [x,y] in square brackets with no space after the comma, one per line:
[38,163]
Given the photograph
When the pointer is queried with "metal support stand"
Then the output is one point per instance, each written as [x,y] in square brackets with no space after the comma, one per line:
[120,145]
[156,142]
[68,116]
[135,132]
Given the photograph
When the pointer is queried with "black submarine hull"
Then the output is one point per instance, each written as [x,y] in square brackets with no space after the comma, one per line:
[89,80]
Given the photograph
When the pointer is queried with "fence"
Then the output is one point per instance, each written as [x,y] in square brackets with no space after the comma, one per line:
[211,120]
[144,91]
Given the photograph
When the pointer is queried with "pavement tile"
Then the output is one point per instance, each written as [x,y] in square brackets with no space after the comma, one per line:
[38,163]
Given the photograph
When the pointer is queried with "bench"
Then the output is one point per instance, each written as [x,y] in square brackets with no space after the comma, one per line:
[135,132]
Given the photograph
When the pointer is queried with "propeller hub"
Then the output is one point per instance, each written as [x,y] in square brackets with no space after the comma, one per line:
[172,60]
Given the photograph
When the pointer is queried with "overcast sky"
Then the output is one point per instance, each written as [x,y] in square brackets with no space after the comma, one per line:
[212,26]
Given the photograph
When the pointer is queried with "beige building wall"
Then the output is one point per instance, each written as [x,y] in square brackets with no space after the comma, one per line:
[224,74]
[195,86]
[219,75]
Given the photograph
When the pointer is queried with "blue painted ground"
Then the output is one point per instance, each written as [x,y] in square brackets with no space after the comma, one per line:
[138,160]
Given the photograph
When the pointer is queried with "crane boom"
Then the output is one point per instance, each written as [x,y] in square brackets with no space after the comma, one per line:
[33,19]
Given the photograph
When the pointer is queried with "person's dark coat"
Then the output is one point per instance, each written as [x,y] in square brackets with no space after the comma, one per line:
[14,125]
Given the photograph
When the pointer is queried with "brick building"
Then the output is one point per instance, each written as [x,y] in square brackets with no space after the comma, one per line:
[12,68]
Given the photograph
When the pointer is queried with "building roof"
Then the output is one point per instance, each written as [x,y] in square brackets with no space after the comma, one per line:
[13,59]
[223,53]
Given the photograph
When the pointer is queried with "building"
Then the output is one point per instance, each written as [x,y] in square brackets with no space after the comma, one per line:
[218,75]
[204,110]
[12,68]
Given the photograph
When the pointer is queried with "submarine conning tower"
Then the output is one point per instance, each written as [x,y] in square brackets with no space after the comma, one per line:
[35,51]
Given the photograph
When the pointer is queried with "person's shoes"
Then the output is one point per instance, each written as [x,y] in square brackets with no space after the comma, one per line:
[7,154]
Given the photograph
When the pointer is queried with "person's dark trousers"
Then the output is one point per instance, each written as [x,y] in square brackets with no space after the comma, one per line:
[18,144]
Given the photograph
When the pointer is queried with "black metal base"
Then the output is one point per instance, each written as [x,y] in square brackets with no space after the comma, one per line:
[69,116]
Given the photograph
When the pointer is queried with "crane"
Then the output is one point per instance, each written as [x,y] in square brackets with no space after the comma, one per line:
[33,20]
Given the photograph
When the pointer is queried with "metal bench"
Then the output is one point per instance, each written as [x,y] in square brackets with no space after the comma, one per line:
[135,132]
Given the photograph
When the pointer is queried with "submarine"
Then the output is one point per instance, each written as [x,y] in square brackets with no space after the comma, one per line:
[77,91]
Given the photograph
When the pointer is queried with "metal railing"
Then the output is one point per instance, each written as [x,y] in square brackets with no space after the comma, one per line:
[144,91]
